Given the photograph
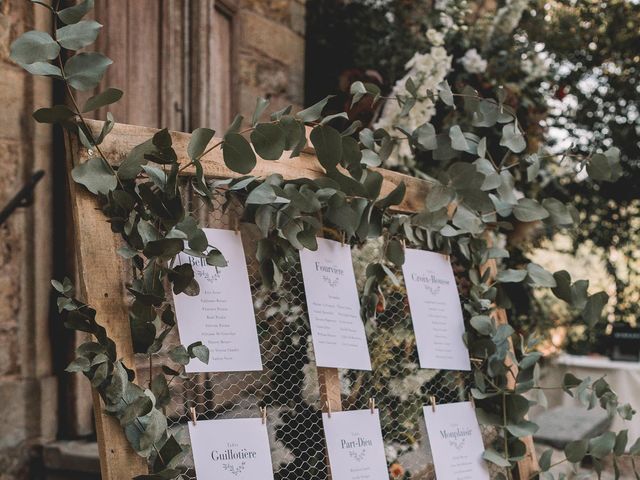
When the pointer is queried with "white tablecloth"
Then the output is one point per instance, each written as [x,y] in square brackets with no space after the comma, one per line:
[623,377]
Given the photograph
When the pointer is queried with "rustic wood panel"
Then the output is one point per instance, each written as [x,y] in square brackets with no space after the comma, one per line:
[101,286]
[124,137]
[221,64]
[174,107]
[142,62]
[114,43]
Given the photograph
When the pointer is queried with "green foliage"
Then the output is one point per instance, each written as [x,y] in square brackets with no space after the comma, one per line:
[473,202]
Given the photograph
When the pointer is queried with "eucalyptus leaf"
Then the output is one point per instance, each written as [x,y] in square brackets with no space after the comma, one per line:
[268,140]
[445,93]
[95,175]
[34,47]
[85,70]
[425,136]
[512,138]
[539,277]
[491,455]
[529,210]
[102,99]
[261,106]
[314,112]
[78,35]
[395,252]
[237,153]
[458,140]
[511,276]
[327,142]
[395,197]
[75,13]
[43,68]
[55,114]
[592,312]
[198,142]
[439,196]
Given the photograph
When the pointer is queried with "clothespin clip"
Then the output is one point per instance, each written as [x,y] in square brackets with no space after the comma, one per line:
[403,243]
[472,401]
[236,225]
[328,408]
[192,410]
[433,403]
[263,411]
[446,255]
[342,240]
[372,405]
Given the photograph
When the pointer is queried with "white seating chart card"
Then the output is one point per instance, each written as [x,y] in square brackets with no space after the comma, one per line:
[222,315]
[339,339]
[355,445]
[231,449]
[456,442]
[436,312]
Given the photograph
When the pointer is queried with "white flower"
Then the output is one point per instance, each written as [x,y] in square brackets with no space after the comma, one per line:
[508,17]
[446,21]
[411,384]
[426,70]
[390,17]
[473,62]
[435,37]
[390,452]
[536,66]
[441,4]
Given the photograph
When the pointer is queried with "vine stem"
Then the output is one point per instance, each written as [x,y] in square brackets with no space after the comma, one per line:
[504,426]
[81,117]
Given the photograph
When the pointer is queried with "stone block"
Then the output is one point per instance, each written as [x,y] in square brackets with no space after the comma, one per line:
[13,100]
[8,352]
[72,456]
[275,10]
[298,17]
[13,414]
[262,36]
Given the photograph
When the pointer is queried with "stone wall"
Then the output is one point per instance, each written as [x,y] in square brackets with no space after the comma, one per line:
[270,53]
[267,58]
[28,399]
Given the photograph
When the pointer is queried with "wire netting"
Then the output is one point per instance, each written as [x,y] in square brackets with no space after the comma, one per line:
[288,385]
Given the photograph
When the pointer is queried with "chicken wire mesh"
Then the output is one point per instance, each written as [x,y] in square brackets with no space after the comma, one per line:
[289,387]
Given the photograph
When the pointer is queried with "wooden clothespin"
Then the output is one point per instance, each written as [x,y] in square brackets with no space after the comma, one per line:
[403,243]
[192,410]
[446,255]
[343,238]
[236,225]
[472,401]
[372,405]
[263,411]
[328,408]
[433,403]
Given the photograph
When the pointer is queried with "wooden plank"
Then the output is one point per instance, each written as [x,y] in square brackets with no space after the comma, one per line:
[330,398]
[174,103]
[202,14]
[101,286]
[124,137]
[221,64]
[113,42]
[143,62]
[528,466]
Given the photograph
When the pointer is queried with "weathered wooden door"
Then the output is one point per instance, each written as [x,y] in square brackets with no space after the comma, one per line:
[172,59]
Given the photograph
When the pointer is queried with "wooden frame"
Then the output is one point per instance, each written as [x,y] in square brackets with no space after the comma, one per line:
[101,276]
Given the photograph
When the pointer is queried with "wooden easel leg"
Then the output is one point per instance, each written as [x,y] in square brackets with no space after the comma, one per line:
[329,383]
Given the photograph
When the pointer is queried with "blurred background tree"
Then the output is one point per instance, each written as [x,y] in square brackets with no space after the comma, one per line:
[550,55]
